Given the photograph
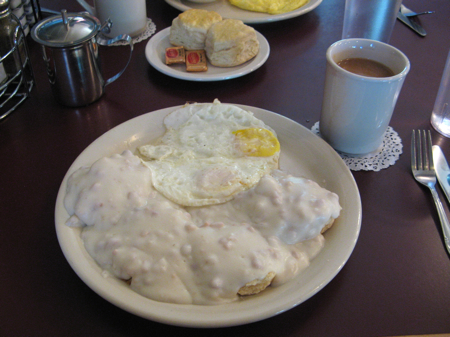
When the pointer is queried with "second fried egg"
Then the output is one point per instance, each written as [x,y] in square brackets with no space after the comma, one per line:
[209,153]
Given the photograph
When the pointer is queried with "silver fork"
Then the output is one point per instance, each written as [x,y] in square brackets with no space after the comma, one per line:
[423,170]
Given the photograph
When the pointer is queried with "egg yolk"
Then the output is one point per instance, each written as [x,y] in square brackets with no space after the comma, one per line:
[257,142]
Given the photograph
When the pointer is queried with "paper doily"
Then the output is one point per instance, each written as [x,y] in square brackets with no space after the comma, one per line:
[380,159]
[149,31]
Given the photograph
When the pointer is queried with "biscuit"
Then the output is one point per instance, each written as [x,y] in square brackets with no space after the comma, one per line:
[256,286]
[190,27]
[230,43]
[327,226]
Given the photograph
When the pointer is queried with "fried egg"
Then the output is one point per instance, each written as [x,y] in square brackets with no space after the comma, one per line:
[209,153]
[269,6]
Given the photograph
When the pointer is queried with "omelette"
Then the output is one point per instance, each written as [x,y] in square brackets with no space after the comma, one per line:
[269,6]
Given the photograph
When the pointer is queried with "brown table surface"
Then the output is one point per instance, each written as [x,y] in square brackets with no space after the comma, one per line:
[396,282]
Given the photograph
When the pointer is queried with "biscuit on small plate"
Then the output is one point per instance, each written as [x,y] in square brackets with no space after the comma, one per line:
[230,43]
[190,27]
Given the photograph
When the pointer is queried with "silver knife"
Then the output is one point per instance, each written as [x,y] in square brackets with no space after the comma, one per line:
[410,23]
[442,170]
[443,173]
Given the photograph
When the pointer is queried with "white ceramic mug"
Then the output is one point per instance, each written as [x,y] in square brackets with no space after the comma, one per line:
[127,16]
[356,110]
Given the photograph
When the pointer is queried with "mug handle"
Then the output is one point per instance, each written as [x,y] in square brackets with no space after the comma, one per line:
[86,6]
[105,42]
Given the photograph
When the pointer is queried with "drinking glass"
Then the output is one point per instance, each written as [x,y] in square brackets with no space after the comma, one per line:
[370,19]
[440,117]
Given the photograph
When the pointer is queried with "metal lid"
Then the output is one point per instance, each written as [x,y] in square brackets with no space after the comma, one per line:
[65,30]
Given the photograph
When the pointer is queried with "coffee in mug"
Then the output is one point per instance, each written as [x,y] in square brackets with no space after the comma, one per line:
[365,67]
[356,108]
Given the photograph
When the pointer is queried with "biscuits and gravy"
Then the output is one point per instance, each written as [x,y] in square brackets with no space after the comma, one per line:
[226,223]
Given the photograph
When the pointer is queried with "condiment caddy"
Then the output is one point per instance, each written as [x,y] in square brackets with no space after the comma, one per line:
[16,74]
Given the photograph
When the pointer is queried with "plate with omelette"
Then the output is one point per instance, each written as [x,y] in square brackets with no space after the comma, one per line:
[251,11]
[116,212]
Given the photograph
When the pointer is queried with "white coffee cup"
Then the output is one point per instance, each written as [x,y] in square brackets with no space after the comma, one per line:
[127,16]
[356,109]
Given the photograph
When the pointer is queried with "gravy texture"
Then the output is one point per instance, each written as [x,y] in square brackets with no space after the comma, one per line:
[195,255]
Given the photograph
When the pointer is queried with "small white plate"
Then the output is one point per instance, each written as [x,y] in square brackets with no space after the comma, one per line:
[302,154]
[228,11]
[156,49]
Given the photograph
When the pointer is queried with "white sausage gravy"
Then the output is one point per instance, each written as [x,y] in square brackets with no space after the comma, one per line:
[195,255]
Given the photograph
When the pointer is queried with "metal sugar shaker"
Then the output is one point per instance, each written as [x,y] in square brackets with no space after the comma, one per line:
[70,48]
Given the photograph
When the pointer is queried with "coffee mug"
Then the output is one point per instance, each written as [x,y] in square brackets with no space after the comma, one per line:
[127,16]
[357,109]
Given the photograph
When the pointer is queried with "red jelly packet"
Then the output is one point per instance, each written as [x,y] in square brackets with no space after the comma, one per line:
[196,60]
[175,55]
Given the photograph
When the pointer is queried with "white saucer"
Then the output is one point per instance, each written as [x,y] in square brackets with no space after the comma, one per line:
[155,53]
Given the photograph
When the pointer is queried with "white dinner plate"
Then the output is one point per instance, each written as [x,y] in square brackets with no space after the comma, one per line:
[302,154]
[155,53]
[228,11]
